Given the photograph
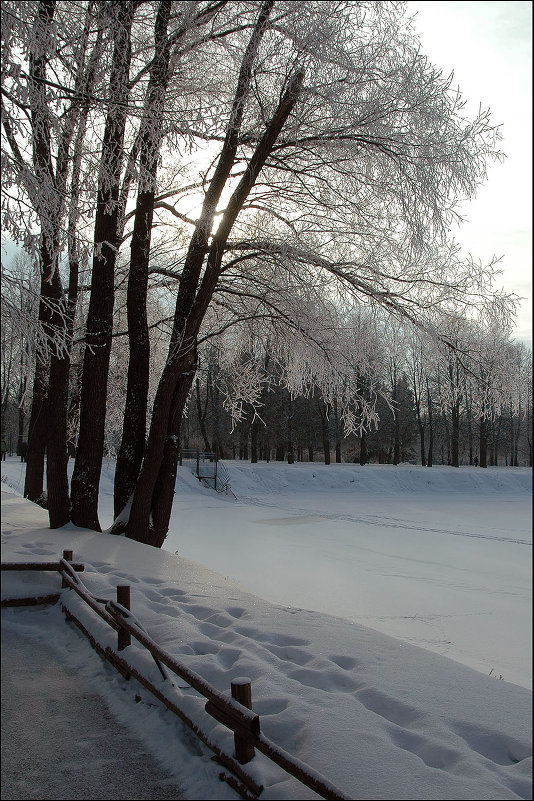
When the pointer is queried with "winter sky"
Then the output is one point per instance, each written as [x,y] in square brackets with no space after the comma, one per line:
[489,48]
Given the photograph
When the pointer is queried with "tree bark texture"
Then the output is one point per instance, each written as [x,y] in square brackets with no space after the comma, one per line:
[455,435]
[44,173]
[88,465]
[483,442]
[321,405]
[132,446]
[37,435]
[430,458]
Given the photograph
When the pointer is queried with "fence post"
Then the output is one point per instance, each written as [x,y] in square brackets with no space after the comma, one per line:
[124,638]
[67,556]
[241,691]
[198,463]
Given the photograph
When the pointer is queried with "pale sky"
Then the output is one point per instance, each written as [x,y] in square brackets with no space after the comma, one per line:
[488,46]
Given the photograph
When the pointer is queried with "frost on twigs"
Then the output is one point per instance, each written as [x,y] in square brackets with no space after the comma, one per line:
[326,351]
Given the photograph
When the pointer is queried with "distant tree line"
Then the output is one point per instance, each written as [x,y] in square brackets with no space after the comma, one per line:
[426,411]
[428,430]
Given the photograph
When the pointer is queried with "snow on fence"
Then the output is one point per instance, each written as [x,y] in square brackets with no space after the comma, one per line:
[235,713]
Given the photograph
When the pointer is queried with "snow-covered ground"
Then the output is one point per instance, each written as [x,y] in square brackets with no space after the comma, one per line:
[386,604]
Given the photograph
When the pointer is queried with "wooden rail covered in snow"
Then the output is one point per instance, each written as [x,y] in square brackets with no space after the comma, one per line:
[52,598]
[235,713]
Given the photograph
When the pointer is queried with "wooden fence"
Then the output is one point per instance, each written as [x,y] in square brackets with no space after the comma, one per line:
[235,713]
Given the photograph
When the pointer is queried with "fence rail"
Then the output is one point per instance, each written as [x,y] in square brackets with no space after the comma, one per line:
[210,471]
[235,713]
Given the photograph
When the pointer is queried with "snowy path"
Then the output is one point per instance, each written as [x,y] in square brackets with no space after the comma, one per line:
[59,739]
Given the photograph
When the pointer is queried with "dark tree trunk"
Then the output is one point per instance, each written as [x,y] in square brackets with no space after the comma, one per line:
[337,431]
[469,429]
[396,422]
[74,409]
[515,435]
[58,396]
[483,442]
[290,444]
[324,429]
[254,441]
[455,435]
[164,489]
[37,435]
[50,397]
[430,459]
[194,296]
[132,446]
[88,465]
[64,310]
[421,427]
[44,174]
[422,443]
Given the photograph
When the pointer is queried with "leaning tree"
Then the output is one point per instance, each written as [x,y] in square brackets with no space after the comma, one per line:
[354,150]
[328,156]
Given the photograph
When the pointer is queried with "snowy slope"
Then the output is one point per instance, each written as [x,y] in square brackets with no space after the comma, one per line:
[377,716]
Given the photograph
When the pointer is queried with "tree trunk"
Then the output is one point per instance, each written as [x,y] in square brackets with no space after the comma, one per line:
[337,433]
[290,444]
[37,435]
[164,489]
[254,441]
[421,427]
[88,465]
[422,442]
[324,429]
[483,442]
[74,409]
[396,425]
[132,446]
[430,428]
[455,435]
[64,309]
[58,397]
[44,174]
[469,428]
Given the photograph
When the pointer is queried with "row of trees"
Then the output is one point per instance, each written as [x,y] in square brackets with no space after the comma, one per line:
[270,181]
[433,404]
[409,426]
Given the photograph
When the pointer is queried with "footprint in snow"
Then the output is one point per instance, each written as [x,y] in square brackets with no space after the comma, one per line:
[389,708]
